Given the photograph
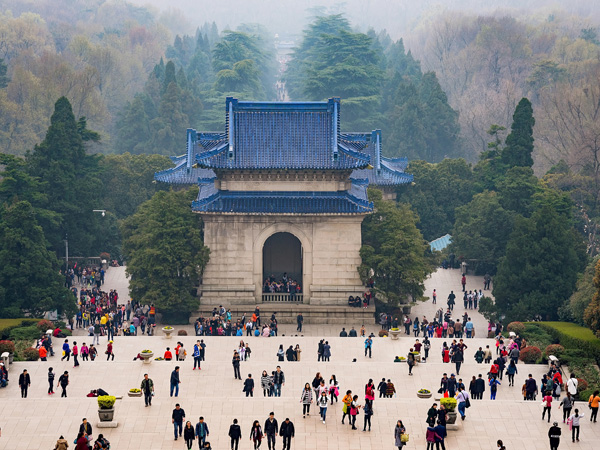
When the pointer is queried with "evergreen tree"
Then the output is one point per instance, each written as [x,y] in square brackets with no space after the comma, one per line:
[519,143]
[165,254]
[29,274]
[133,128]
[3,78]
[169,127]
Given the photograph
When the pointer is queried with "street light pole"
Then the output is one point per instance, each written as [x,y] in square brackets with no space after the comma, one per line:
[66,252]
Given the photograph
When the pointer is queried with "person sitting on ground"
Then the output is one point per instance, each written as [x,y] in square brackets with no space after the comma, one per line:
[61,444]
[101,443]
[343,333]
[168,355]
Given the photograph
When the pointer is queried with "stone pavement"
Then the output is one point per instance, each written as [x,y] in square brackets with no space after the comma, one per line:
[36,422]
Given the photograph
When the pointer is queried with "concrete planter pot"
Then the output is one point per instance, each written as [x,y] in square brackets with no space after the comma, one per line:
[452,415]
[106,415]
[168,332]
[420,395]
[147,357]
[395,334]
[134,394]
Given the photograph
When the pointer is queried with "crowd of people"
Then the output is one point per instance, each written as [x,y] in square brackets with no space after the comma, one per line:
[285,285]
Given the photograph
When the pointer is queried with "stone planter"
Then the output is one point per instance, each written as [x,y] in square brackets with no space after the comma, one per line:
[395,334]
[168,332]
[147,357]
[452,415]
[106,415]
[420,395]
[134,394]
[418,358]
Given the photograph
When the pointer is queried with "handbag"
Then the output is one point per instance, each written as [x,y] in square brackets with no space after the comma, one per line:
[404,438]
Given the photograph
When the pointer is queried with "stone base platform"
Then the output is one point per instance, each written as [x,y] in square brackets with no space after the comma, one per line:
[287,313]
[107,425]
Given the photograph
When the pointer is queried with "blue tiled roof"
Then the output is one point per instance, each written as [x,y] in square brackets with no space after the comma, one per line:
[353,201]
[441,243]
[182,174]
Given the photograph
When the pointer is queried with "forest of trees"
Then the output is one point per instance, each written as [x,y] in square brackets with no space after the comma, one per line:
[497,115]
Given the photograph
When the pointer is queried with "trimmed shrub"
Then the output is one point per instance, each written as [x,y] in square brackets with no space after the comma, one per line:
[7,346]
[182,333]
[106,401]
[529,355]
[571,335]
[44,325]
[554,349]
[582,385]
[449,403]
[30,354]
[516,327]
[24,333]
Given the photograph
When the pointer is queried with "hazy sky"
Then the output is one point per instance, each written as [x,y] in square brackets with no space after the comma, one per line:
[399,17]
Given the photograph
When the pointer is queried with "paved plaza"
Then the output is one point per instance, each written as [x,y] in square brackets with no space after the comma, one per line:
[36,422]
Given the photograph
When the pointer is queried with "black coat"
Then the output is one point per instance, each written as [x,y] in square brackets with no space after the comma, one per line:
[287,429]
[235,432]
[480,385]
[271,427]
[188,433]
[248,385]
[24,380]
[86,429]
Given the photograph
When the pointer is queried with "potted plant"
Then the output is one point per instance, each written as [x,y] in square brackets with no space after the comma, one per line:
[424,393]
[168,330]
[417,356]
[134,392]
[106,410]
[395,333]
[449,404]
[147,356]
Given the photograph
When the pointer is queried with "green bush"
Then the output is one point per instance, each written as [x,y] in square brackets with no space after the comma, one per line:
[554,349]
[529,355]
[106,401]
[30,354]
[6,325]
[7,346]
[44,325]
[24,333]
[516,327]
[571,335]
[572,355]
[449,403]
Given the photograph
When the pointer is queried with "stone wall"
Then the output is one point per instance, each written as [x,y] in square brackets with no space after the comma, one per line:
[330,257]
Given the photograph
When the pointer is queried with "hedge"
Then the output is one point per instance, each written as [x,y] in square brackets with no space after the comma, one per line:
[24,333]
[7,325]
[554,349]
[516,327]
[571,335]
[30,354]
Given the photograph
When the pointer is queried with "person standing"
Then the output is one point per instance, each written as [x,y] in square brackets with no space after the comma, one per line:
[85,427]
[201,431]
[451,301]
[574,420]
[278,381]
[300,322]
[235,433]
[347,401]
[354,407]
[249,386]
[50,381]
[177,419]
[196,355]
[463,281]
[399,430]
[368,346]
[175,381]
[236,365]
[271,430]
[109,351]
[440,434]
[97,328]
[63,381]
[326,351]
[287,432]
[256,434]
[566,404]
[25,382]
[554,435]
[368,412]
[306,399]
[410,360]
[323,402]
[572,385]
[434,296]
[547,402]
[147,387]
[188,435]
[75,353]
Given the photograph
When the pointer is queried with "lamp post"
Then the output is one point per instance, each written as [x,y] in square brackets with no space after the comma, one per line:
[103,211]
[66,252]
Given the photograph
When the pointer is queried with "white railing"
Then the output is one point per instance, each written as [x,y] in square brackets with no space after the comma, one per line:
[282,297]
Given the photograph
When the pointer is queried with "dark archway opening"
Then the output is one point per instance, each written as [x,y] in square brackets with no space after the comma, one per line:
[282,265]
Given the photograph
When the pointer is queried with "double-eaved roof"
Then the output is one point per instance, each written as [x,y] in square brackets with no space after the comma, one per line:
[290,136]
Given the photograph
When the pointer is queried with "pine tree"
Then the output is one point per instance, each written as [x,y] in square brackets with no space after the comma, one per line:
[519,143]
[3,78]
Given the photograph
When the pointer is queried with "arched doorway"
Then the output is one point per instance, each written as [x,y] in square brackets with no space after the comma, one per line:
[282,267]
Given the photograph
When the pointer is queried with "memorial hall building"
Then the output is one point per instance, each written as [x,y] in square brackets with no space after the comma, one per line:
[282,194]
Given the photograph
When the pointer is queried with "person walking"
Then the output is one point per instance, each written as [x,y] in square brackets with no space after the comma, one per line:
[410,360]
[572,385]
[236,365]
[399,430]
[554,434]
[511,370]
[109,351]
[196,355]
[300,322]
[177,418]
[566,404]
[249,386]
[574,421]
[278,381]
[271,430]
[265,383]
[189,435]
[66,351]
[462,397]
[333,389]
[25,382]
[347,401]
[323,402]
[201,431]
[63,381]
[147,387]
[50,381]
[175,381]
[75,353]
[368,346]
[287,432]
[547,402]
[256,434]
[494,382]
[306,399]
[593,402]
[367,413]
[235,433]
